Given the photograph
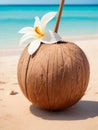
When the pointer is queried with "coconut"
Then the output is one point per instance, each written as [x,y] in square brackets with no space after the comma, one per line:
[55,77]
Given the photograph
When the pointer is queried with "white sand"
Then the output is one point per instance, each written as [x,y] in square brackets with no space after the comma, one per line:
[17,113]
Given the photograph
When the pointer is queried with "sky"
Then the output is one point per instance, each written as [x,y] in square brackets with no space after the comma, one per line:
[48,1]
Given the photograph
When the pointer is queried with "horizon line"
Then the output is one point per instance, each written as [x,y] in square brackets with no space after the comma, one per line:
[48,4]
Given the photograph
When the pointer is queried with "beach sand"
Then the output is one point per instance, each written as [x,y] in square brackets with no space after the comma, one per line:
[17,113]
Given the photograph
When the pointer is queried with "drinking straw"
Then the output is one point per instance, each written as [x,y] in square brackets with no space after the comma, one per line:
[59,16]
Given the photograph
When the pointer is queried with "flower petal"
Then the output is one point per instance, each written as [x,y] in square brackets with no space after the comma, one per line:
[27,30]
[25,38]
[37,21]
[51,37]
[46,18]
[34,46]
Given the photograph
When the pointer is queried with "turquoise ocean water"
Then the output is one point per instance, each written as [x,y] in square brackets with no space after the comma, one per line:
[76,20]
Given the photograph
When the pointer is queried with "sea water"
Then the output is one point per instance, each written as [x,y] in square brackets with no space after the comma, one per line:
[76,20]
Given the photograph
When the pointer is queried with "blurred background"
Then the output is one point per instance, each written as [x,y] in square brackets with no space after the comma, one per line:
[79,18]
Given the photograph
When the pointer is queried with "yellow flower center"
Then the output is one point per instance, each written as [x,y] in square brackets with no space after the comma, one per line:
[38,31]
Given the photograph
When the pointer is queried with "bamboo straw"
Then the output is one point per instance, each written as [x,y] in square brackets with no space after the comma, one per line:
[59,16]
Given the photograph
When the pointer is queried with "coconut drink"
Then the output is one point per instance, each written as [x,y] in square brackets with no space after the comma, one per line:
[52,73]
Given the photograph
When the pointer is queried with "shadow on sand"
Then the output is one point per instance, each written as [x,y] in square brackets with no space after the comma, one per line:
[81,111]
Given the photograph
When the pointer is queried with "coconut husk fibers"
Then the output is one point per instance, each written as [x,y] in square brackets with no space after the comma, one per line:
[55,77]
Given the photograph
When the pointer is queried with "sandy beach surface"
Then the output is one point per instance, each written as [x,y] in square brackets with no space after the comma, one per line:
[17,113]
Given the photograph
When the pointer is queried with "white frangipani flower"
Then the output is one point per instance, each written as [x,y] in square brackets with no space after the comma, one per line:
[39,34]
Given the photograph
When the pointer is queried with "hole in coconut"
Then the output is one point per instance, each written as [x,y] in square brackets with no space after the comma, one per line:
[60,42]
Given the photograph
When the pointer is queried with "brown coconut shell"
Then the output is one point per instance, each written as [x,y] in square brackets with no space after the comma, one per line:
[55,77]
